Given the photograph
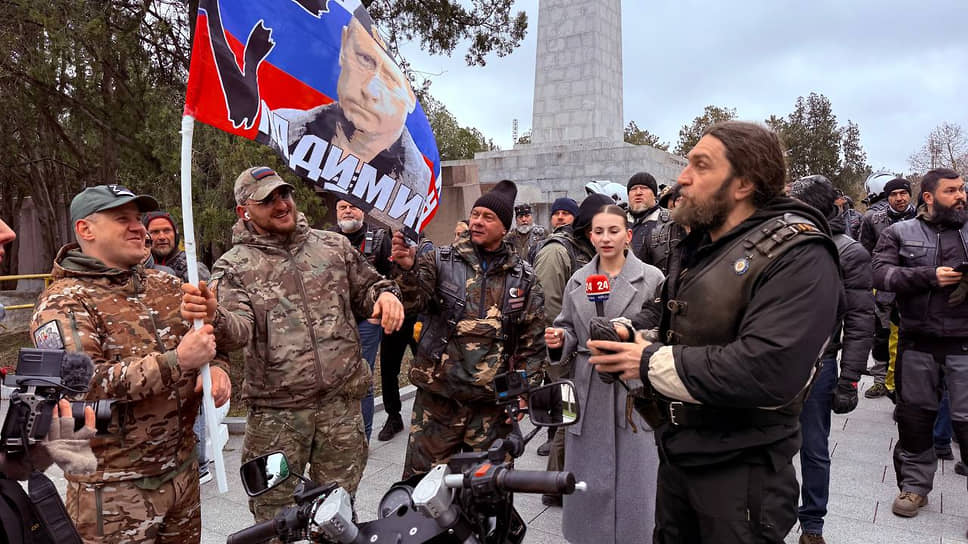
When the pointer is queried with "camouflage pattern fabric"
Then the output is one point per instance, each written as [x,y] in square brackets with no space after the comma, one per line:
[295,302]
[441,427]
[128,322]
[474,353]
[328,438]
[116,512]
[522,243]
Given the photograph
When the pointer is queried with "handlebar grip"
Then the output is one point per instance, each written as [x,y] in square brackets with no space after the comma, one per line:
[260,532]
[537,481]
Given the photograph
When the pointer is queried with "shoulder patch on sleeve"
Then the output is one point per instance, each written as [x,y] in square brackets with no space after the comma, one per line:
[48,336]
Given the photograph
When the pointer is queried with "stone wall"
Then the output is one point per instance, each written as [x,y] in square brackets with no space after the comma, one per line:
[546,172]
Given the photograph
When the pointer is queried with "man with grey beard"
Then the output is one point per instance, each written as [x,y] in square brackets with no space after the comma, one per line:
[923,261]
[374,244]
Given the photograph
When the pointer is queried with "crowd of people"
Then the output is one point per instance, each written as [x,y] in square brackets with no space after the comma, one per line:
[723,358]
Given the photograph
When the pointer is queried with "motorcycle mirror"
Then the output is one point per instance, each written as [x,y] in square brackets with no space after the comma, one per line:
[554,405]
[264,473]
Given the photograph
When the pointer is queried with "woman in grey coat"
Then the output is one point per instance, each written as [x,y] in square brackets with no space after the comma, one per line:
[618,462]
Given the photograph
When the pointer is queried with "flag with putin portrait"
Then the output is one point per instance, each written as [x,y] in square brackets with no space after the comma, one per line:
[314,80]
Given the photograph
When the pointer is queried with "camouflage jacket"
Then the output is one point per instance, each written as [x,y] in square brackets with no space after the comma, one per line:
[522,243]
[297,301]
[128,322]
[474,353]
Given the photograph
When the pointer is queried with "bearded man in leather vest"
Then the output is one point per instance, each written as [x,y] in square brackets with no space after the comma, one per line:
[741,328]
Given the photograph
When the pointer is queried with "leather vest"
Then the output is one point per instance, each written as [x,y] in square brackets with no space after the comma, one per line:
[439,326]
[710,301]
[662,241]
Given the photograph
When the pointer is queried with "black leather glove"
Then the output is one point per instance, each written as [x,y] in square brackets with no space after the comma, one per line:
[600,328]
[845,396]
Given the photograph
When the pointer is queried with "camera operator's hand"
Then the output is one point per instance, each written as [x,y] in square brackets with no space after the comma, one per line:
[401,252]
[198,302]
[845,396]
[196,348]
[221,386]
[69,449]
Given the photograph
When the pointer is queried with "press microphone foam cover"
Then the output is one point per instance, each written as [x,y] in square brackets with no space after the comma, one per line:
[76,370]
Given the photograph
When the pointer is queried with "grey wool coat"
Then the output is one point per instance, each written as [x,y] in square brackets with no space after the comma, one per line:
[618,464]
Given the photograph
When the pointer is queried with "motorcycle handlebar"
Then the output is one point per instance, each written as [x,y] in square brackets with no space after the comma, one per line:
[537,481]
[260,532]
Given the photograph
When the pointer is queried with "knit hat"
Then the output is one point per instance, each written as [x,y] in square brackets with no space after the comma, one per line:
[147,218]
[897,183]
[567,204]
[589,207]
[643,178]
[500,200]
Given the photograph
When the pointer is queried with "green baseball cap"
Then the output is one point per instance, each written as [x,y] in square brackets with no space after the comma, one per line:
[105,197]
[256,183]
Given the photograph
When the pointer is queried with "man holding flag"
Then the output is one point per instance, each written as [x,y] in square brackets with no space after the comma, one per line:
[296,293]
[104,303]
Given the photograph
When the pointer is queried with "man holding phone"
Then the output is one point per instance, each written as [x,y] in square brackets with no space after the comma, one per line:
[924,260]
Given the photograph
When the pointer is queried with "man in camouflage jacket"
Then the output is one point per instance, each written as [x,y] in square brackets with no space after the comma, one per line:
[126,318]
[295,294]
[455,405]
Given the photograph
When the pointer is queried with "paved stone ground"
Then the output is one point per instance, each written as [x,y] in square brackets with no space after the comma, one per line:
[862,488]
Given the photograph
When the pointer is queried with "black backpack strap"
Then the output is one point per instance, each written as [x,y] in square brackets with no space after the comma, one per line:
[517,290]
[50,510]
[16,513]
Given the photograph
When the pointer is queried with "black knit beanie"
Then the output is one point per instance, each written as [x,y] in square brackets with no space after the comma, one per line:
[643,178]
[500,200]
[897,183]
[589,207]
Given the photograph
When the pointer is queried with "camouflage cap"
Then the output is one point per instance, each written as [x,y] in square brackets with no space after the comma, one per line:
[256,183]
[105,197]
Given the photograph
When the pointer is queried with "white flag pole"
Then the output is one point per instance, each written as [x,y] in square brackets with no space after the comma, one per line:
[188,230]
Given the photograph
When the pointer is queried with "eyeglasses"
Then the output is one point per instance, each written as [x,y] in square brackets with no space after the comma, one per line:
[282,193]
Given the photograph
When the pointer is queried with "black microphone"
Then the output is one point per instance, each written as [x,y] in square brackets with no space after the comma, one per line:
[76,371]
[597,289]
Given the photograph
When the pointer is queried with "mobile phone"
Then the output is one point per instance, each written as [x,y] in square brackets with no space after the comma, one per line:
[963,268]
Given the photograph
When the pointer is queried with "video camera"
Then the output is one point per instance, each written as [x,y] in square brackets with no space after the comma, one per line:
[42,378]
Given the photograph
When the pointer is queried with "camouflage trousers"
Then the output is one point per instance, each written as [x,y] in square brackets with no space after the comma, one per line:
[109,512]
[328,438]
[441,427]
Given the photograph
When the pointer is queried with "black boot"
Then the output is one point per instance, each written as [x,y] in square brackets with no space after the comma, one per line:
[393,425]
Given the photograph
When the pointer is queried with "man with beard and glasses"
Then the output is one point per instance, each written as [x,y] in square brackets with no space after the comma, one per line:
[741,329]
[374,244]
[897,192]
[645,210]
[292,295]
[922,261]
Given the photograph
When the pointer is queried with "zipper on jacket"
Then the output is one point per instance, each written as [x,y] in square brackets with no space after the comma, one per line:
[99,508]
[309,322]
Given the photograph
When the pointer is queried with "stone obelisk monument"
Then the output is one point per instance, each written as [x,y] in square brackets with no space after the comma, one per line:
[578,73]
[577,124]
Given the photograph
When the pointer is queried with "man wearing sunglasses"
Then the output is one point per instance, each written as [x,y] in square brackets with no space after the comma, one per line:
[293,296]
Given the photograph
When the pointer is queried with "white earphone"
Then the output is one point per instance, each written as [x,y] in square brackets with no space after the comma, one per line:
[246,216]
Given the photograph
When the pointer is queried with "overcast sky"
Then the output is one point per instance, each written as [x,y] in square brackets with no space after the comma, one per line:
[896,68]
